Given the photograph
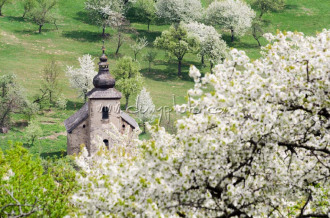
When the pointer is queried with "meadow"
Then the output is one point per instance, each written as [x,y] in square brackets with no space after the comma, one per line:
[24,52]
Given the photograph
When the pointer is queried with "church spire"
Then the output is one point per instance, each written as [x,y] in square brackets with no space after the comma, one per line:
[103,79]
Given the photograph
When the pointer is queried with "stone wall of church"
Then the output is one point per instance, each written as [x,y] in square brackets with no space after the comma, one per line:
[99,128]
[78,137]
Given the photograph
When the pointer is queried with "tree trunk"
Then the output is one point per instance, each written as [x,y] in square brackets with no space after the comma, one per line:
[211,66]
[24,14]
[135,54]
[119,44]
[144,127]
[0,11]
[33,138]
[103,32]
[261,13]
[256,38]
[179,67]
[85,97]
[40,26]
[176,25]
[202,60]
[232,35]
[148,25]
[3,91]
[126,104]
[50,100]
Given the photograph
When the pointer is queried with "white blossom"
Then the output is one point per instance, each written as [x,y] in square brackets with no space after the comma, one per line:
[176,11]
[82,78]
[234,15]
[267,156]
[145,107]
[212,47]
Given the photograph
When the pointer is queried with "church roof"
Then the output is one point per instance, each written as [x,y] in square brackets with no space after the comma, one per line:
[98,93]
[129,119]
[72,122]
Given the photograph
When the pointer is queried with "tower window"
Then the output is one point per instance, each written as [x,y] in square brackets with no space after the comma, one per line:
[105,113]
[106,143]
[84,126]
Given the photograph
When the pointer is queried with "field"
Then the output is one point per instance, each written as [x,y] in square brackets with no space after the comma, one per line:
[24,52]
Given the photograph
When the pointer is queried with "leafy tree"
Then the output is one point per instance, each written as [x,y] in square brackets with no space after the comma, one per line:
[140,44]
[146,11]
[33,131]
[234,15]
[102,12]
[2,3]
[26,189]
[145,107]
[211,46]
[177,42]
[30,109]
[268,5]
[82,78]
[43,13]
[255,145]
[28,5]
[150,56]
[175,11]
[12,99]
[61,102]
[121,25]
[50,84]
[128,77]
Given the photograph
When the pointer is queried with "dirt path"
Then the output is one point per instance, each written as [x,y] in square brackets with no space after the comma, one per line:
[54,136]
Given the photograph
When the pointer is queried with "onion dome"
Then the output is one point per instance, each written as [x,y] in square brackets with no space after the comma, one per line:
[103,79]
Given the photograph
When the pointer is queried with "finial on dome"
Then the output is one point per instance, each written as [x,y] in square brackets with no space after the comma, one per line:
[103,48]
[103,79]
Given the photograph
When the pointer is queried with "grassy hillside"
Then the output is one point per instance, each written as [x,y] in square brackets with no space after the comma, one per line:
[24,52]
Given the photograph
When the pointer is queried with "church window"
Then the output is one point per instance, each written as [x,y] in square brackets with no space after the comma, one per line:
[106,143]
[105,113]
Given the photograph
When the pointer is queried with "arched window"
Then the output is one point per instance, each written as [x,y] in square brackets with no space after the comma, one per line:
[106,143]
[105,113]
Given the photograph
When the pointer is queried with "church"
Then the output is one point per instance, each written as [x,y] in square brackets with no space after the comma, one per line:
[96,117]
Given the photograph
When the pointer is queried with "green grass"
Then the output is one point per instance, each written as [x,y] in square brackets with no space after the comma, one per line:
[24,52]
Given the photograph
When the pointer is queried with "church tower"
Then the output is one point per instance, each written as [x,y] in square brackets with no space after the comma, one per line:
[103,104]
[96,118]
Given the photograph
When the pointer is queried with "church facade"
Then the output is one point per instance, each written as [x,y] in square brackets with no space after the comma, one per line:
[95,119]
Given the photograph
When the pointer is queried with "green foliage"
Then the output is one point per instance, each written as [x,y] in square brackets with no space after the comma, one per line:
[145,11]
[128,77]
[177,42]
[61,102]
[26,189]
[41,13]
[33,131]
[28,5]
[150,56]
[30,109]
[2,3]
[12,98]
[268,5]
[50,83]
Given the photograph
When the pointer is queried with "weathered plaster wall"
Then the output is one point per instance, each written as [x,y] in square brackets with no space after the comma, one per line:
[98,126]
[78,137]
[124,126]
